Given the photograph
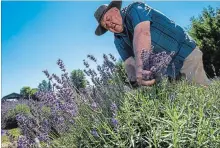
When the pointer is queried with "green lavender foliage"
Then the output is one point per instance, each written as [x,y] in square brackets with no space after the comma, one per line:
[165,115]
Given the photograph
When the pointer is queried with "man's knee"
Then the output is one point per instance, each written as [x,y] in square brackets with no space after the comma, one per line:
[130,61]
[130,68]
[198,53]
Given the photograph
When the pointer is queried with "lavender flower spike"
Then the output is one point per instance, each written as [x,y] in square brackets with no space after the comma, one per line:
[114,122]
[113,107]
[94,133]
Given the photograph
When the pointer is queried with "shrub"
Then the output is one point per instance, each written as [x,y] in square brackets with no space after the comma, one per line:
[78,79]
[53,114]
[205,29]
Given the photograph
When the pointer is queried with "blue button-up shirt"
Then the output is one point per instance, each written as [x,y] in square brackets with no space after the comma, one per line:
[165,35]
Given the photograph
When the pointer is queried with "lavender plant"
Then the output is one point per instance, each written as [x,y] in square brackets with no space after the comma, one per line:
[60,105]
[9,110]
[98,106]
[108,86]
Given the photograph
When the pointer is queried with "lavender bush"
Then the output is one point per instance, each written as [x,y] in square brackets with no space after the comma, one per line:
[108,86]
[62,104]
[54,114]
[66,106]
[9,110]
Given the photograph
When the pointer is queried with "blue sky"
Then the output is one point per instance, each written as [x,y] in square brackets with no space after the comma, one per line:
[36,34]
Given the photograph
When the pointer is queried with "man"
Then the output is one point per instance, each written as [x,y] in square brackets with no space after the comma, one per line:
[139,27]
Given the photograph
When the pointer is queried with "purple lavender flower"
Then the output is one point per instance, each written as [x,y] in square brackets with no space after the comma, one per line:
[157,63]
[50,78]
[99,68]
[57,78]
[114,108]
[86,64]
[72,121]
[45,125]
[172,96]
[46,73]
[114,122]
[94,133]
[105,57]
[94,105]
[23,142]
[91,57]
[43,137]
[112,57]
[86,72]
[2,132]
[61,65]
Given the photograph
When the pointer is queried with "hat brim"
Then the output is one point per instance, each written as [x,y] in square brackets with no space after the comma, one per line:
[101,30]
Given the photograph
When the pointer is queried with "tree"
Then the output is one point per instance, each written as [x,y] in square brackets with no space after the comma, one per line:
[28,93]
[45,86]
[50,88]
[78,79]
[206,31]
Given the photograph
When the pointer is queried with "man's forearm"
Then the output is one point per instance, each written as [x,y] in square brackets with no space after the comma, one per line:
[142,40]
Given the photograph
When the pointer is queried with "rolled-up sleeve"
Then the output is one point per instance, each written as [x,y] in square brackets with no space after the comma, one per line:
[139,12]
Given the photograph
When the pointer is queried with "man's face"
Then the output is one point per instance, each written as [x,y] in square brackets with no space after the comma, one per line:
[112,20]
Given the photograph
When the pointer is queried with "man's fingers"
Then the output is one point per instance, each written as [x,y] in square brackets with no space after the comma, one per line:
[148,83]
[146,72]
[139,79]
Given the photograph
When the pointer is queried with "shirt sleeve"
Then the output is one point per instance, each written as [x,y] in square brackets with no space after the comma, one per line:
[124,50]
[139,12]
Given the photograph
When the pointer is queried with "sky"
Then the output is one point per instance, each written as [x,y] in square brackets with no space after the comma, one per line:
[35,35]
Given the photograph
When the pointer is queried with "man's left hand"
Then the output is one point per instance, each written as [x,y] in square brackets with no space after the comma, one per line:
[148,82]
[140,80]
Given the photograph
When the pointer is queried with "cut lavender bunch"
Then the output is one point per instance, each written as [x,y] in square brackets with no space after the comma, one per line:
[157,63]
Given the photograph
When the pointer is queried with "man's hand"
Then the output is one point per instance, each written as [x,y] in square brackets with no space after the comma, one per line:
[140,81]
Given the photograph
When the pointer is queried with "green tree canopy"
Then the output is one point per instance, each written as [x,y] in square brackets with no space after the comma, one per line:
[28,93]
[205,29]
[78,78]
[45,86]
